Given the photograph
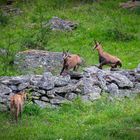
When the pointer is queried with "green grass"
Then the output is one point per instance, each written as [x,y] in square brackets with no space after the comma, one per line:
[101,120]
[118,30]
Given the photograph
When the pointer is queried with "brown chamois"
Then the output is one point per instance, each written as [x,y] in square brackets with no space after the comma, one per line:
[16,104]
[71,61]
[106,58]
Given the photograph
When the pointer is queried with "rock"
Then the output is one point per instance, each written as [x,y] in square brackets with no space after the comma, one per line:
[35,79]
[85,98]
[45,99]
[137,77]
[113,89]
[62,81]
[36,94]
[121,80]
[41,104]
[16,80]
[75,75]
[95,94]
[4,90]
[59,24]
[23,86]
[137,86]
[58,100]
[38,61]
[40,91]
[47,82]
[50,94]
[71,96]
[92,70]
[13,87]
[102,81]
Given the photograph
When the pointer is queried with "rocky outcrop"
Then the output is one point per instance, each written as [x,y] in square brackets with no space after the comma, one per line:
[49,90]
[59,24]
[38,61]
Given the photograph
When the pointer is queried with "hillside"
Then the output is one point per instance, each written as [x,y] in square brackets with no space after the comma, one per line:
[118,30]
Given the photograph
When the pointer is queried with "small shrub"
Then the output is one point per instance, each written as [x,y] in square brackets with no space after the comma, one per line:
[118,35]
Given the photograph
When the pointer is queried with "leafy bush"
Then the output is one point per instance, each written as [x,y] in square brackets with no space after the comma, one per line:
[118,35]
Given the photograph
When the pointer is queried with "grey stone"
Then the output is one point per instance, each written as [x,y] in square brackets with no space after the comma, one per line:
[58,100]
[62,81]
[4,90]
[85,98]
[41,104]
[121,80]
[71,96]
[45,99]
[47,82]
[59,24]
[36,94]
[113,89]
[16,80]
[42,92]
[13,87]
[137,77]
[50,93]
[23,86]
[35,79]
[3,52]
[92,70]
[137,86]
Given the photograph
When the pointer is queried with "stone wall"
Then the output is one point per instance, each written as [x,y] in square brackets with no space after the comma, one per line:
[49,90]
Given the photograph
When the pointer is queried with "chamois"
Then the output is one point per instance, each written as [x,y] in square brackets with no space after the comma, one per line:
[106,58]
[16,104]
[70,61]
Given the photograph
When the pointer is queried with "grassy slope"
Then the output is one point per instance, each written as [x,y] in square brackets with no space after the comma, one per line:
[118,30]
[119,120]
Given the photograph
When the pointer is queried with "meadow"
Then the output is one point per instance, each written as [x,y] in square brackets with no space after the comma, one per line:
[119,32]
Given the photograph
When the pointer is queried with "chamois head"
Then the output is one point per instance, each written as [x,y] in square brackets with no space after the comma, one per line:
[65,54]
[97,45]
[23,94]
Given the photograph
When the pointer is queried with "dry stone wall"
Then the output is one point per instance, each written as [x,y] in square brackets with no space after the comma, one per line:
[49,90]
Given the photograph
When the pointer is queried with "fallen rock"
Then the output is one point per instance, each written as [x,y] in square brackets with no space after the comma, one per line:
[113,89]
[45,99]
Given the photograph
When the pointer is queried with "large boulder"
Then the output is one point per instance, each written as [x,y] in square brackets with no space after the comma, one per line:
[59,24]
[38,61]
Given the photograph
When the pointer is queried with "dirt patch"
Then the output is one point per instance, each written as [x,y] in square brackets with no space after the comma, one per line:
[130,4]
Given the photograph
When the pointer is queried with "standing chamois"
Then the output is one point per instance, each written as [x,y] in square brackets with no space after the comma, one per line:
[106,58]
[70,61]
[16,104]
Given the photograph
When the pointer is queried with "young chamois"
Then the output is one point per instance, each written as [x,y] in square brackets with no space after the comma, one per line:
[106,58]
[70,61]
[16,104]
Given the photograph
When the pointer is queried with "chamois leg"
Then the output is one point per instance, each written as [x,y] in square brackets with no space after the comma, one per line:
[62,70]
[76,68]
[101,64]
[16,114]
